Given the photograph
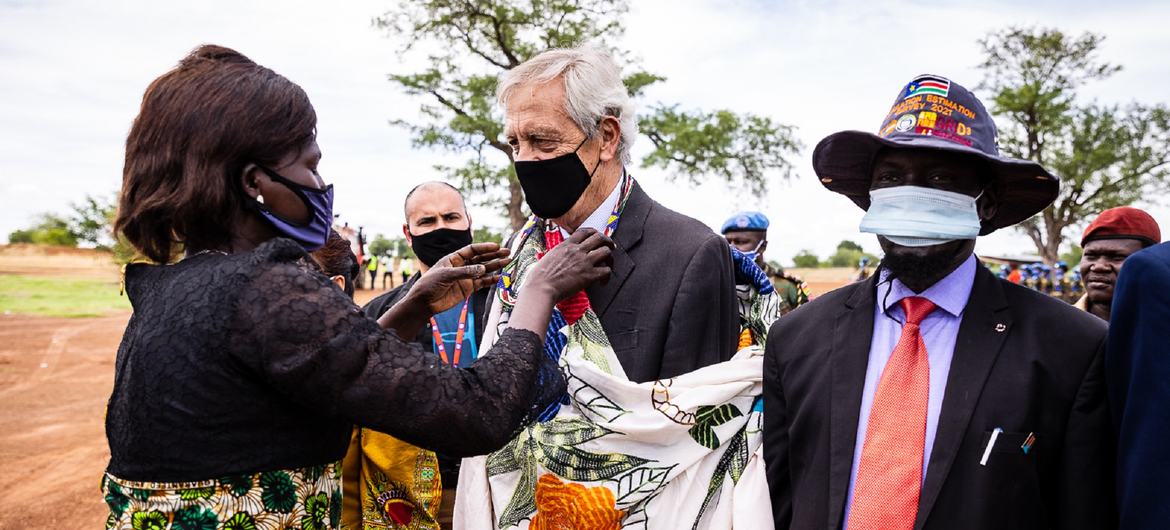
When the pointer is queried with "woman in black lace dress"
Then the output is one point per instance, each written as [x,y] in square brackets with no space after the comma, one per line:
[241,370]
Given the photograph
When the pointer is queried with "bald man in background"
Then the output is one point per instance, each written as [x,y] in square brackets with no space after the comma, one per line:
[437,224]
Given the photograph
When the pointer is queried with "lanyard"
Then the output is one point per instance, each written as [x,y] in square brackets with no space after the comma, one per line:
[438,337]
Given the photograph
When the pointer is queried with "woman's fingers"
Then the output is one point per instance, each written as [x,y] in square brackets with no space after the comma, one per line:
[486,281]
[468,253]
[454,274]
[599,254]
[482,248]
[600,275]
[581,235]
[496,264]
[594,240]
[490,256]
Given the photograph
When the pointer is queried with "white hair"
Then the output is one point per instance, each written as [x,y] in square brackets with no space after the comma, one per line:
[593,89]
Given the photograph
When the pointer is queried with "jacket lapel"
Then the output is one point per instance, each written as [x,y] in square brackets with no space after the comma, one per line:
[627,236]
[986,324]
[851,336]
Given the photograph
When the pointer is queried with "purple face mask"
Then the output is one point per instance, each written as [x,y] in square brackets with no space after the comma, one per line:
[313,234]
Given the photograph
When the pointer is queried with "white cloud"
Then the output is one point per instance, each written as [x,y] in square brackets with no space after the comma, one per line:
[75,72]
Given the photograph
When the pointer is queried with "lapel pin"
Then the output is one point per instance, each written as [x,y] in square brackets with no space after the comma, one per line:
[1000,327]
[1027,445]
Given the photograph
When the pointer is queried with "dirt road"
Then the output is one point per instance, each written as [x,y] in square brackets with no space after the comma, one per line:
[55,377]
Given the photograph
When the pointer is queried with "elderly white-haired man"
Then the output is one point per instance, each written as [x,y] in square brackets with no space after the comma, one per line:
[669,307]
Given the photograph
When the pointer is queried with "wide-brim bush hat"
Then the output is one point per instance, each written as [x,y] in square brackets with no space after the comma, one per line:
[933,112]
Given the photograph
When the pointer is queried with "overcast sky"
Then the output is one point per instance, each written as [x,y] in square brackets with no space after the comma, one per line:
[74,73]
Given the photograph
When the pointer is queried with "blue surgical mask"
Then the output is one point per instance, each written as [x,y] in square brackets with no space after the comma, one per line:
[913,216]
[751,254]
[313,234]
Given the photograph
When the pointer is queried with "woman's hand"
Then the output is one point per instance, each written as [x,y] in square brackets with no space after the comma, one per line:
[449,282]
[452,279]
[583,259]
[580,261]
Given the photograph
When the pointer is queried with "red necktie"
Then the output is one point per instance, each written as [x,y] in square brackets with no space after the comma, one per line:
[889,477]
[573,307]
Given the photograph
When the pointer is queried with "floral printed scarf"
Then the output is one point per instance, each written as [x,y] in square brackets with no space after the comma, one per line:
[670,454]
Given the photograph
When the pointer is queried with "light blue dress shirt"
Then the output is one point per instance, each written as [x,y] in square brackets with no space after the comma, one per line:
[939,331]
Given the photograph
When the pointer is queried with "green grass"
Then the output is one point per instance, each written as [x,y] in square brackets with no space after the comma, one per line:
[57,297]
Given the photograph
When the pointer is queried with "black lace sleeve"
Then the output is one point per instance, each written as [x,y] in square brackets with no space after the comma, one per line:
[315,346]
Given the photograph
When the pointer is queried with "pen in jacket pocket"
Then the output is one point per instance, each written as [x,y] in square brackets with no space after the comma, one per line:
[990,444]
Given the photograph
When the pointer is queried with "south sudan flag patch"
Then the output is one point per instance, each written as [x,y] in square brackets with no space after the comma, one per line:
[928,84]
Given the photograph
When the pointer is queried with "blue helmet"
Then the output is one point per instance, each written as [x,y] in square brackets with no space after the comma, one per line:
[750,221]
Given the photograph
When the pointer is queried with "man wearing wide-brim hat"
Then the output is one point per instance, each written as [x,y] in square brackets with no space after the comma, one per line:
[935,395]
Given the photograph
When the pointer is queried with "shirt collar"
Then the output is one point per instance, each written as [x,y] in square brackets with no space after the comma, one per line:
[949,294]
[600,217]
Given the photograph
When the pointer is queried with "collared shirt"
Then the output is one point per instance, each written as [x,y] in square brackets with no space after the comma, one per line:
[939,331]
[600,217]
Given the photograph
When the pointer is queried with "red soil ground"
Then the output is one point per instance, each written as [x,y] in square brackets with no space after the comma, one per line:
[55,377]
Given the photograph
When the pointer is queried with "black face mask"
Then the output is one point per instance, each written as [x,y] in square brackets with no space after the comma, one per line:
[552,187]
[432,246]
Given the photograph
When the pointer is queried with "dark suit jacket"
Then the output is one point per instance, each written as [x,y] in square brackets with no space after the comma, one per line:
[1023,362]
[669,307]
[1137,365]
[382,303]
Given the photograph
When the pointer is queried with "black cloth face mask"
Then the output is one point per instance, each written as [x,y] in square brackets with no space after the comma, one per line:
[552,187]
[432,246]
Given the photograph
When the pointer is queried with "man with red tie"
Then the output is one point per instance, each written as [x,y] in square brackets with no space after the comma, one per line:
[935,395]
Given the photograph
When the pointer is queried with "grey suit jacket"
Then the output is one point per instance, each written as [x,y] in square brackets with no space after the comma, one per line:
[670,306]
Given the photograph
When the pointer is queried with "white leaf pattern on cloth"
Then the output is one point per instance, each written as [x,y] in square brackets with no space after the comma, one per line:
[660,474]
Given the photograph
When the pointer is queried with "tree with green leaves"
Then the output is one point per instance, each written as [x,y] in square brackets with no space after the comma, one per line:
[467,44]
[1105,155]
[848,254]
[805,259]
[382,246]
[92,220]
[49,229]
[485,234]
[88,222]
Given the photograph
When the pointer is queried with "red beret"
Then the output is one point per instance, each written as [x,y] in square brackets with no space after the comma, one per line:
[1124,222]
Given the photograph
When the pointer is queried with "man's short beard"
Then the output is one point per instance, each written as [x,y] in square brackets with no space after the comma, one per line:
[916,269]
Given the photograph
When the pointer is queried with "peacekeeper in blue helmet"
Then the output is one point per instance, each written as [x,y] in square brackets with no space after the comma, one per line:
[748,233]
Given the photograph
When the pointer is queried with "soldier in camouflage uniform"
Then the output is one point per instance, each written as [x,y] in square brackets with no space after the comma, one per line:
[748,233]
